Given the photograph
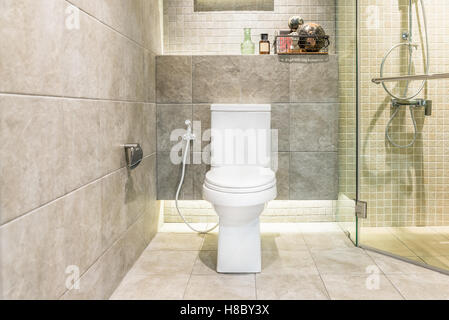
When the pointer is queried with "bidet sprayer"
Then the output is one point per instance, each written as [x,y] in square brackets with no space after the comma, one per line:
[189,135]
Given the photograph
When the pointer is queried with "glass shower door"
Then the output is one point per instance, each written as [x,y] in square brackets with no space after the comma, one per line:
[404,134]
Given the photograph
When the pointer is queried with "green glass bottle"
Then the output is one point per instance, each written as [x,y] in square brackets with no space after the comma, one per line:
[247,46]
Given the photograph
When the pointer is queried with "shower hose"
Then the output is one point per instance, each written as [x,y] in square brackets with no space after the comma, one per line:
[188,138]
[427,64]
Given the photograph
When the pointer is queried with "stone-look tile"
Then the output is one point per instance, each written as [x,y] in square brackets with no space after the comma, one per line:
[31,157]
[176,241]
[343,261]
[288,262]
[37,248]
[264,79]
[113,134]
[149,134]
[165,262]
[103,277]
[422,287]
[280,121]
[171,126]
[216,79]
[152,211]
[169,176]
[201,126]
[313,176]
[282,162]
[117,14]
[26,244]
[119,75]
[327,241]
[273,241]
[314,127]
[134,243]
[206,263]
[439,262]
[151,287]
[210,241]
[314,79]
[139,184]
[174,79]
[360,287]
[199,173]
[290,287]
[221,287]
[114,207]
[152,26]
[83,142]
[150,76]
[30,51]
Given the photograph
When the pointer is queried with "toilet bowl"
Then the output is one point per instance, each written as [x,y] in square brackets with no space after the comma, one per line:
[239,193]
[239,196]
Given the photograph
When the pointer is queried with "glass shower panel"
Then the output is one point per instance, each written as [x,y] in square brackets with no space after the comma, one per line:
[346,49]
[404,133]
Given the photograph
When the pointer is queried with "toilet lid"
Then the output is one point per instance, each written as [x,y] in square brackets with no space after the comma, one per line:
[240,177]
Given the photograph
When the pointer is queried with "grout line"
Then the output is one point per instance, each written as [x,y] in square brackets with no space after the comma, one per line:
[62,97]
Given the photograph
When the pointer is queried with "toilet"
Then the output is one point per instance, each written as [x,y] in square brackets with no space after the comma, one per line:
[240,182]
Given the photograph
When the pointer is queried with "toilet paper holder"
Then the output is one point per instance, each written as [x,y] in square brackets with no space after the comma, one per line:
[134,155]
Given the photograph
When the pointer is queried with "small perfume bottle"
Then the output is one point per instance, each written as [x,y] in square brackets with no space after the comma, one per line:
[264,44]
[247,46]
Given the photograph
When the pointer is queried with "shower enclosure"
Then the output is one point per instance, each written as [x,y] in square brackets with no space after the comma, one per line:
[394,135]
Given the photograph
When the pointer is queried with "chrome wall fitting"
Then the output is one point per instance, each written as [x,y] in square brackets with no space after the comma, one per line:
[134,155]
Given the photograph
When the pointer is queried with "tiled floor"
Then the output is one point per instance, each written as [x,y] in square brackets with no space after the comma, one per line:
[300,261]
[428,245]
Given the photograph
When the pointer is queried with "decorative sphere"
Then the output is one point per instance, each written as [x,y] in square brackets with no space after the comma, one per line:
[312,37]
[295,22]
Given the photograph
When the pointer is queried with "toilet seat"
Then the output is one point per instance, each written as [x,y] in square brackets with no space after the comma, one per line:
[240,179]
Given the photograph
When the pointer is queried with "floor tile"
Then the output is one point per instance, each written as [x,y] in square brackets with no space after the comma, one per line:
[433,286]
[283,241]
[176,241]
[182,227]
[151,287]
[290,287]
[221,287]
[360,287]
[327,241]
[210,242]
[165,262]
[342,261]
[206,263]
[288,262]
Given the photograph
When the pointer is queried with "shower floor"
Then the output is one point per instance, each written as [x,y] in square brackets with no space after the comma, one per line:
[428,245]
[300,261]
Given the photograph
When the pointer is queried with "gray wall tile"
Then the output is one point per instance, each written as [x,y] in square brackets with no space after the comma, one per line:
[170,118]
[280,121]
[174,79]
[31,156]
[264,79]
[314,79]
[216,79]
[313,175]
[281,164]
[201,126]
[169,175]
[314,127]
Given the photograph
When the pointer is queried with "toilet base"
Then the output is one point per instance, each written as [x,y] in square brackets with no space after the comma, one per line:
[239,248]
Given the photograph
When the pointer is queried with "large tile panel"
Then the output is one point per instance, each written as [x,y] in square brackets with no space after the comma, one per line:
[174,79]
[32,153]
[313,176]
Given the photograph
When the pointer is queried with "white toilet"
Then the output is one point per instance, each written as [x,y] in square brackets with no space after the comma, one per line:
[240,182]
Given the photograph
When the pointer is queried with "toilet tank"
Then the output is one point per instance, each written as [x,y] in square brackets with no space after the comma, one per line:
[241,135]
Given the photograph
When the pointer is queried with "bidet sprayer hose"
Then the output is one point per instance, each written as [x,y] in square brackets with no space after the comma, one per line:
[187,138]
